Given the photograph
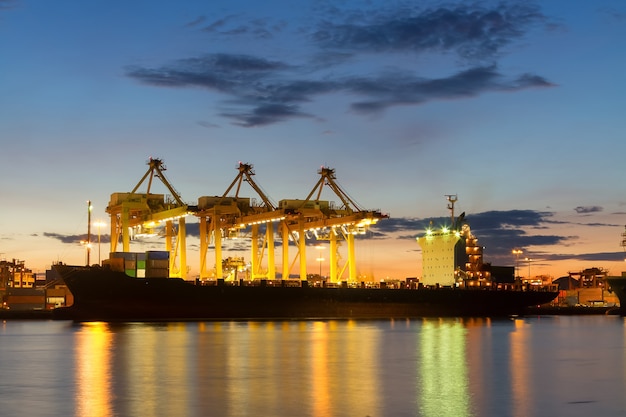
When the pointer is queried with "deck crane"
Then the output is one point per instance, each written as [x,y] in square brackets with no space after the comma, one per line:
[143,212]
[228,215]
[329,222]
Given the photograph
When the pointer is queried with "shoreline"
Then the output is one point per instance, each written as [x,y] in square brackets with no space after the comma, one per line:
[532,311]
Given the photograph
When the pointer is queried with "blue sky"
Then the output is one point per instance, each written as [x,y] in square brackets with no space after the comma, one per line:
[516,107]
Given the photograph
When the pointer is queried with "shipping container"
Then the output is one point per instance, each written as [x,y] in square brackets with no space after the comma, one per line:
[157,254]
[157,264]
[157,273]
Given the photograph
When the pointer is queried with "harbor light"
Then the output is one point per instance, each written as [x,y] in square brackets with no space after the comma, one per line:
[529,260]
[99,224]
[320,259]
[517,253]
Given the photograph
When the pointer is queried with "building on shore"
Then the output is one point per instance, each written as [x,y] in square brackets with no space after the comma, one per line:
[22,289]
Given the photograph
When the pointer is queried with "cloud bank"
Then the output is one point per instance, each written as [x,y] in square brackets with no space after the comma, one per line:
[350,54]
[499,231]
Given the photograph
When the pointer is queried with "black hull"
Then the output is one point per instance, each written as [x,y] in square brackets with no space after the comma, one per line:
[103,295]
[618,286]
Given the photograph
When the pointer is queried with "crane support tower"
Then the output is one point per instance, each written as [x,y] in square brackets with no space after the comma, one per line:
[137,213]
[328,222]
[229,214]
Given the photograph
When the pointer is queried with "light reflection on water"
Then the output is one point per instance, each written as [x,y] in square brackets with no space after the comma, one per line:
[442,370]
[93,372]
[571,366]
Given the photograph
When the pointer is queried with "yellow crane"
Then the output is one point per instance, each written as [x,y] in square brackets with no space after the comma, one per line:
[328,222]
[228,215]
[136,212]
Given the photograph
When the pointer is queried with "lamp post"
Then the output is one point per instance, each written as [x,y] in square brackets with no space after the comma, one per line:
[517,253]
[89,209]
[529,260]
[320,259]
[99,224]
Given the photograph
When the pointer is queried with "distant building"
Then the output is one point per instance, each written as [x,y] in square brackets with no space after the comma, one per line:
[22,289]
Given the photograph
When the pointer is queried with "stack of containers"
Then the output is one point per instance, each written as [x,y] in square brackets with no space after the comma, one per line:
[124,262]
[151,264]
[141,265]
[157,264]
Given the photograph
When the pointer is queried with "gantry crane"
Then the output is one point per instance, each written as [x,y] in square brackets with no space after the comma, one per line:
[328,222]
[136,213]
[228,215]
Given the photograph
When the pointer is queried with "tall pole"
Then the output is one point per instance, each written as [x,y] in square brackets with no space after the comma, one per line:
[320,258]
[88,230]
[99,224]
[529,261]
[99,260]
[517,253]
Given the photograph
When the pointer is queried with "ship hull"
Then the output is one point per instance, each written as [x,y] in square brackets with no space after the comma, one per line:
[104,295]
[618,286]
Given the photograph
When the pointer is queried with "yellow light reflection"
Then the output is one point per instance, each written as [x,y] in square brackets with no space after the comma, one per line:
[93,371]
[520,380]
[320,389]
[443,374]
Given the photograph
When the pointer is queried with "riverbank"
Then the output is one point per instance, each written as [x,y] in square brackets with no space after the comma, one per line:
[532,311]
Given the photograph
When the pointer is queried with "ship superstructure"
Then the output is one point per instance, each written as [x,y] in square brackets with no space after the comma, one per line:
[451,255]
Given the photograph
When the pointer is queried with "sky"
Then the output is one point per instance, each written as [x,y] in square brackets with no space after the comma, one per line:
[515,107]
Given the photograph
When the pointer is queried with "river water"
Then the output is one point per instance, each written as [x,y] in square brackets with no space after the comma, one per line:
[539,366]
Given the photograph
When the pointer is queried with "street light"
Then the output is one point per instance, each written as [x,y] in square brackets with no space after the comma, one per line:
[99,224]
[88,245]
[320,259]
[517,253]
[529,260]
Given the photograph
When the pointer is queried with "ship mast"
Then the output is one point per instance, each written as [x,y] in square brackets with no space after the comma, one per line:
[624,240]
[452,198]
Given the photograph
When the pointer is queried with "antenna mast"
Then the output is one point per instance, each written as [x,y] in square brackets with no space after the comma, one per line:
[452,198]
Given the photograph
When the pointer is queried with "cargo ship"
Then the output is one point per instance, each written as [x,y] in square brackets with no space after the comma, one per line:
[454,283]
[617,284]
[102,294]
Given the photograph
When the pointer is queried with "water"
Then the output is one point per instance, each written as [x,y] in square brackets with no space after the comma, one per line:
[546,366]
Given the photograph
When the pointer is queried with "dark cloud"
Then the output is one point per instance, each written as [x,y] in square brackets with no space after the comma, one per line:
[499,232]
[398,89]
[192,229]
[7,4]
[73,239]
[222,72]
[197,21]
[209,125]
[592,257]
[471,31]
[265,98]
[588,209]
[261,91]
[613,14]
[264,114]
